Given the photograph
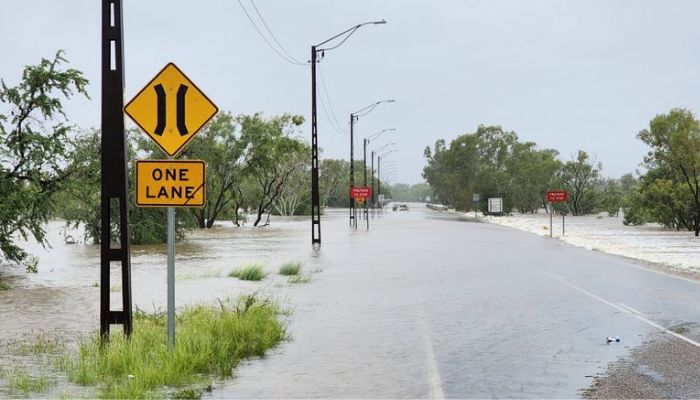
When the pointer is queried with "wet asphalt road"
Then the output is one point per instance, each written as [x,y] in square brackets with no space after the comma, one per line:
[428,305]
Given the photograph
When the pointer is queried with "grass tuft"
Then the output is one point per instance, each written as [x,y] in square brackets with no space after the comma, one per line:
[299,278]
[290,268]
[21,381]
[4,285]
[42,343]
[250,272]
[210,340]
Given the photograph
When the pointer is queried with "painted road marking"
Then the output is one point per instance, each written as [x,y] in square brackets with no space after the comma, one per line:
[624,310]
[434,380]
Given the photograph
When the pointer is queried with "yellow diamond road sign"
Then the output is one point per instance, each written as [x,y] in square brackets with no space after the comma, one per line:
[171,109]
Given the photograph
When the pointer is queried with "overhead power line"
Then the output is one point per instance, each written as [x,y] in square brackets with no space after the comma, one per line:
[330,104]
[285,56]
[273,35]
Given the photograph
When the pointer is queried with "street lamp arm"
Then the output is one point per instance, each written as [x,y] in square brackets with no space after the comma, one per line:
[369,108]
[348,33]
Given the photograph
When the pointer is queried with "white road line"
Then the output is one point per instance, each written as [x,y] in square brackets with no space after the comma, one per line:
[434,380]
[633,310]
[624,310]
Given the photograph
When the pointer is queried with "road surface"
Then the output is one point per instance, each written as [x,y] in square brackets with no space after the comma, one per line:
[426,304]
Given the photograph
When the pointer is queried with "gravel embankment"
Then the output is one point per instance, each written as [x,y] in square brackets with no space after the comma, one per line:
[664,367]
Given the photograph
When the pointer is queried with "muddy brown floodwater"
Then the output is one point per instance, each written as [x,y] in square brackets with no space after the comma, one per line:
[422,305]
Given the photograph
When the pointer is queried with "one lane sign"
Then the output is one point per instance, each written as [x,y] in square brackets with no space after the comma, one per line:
[170,183]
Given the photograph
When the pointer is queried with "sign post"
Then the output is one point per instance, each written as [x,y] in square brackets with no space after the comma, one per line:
[556,196]
[475,199]
[360,194]
[170,109]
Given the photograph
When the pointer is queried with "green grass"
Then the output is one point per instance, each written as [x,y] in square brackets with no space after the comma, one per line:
[41,343]
[299,279]
[4,285]
[290,268]
[21,381]
[250,272]
[210,341]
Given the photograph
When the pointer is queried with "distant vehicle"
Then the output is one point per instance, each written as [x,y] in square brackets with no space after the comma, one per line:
[403,207]
[394,207]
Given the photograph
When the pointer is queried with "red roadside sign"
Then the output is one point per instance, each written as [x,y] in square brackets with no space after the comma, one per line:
[557,196]
[360,192]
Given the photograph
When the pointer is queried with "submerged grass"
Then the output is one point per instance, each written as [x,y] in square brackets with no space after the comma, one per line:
[4,285]
[21,381]
[41,342]
[210,341]
[290,268]
[299,279]
[250,272]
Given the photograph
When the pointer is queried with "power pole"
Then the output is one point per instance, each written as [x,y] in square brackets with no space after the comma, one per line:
[353,213]
[379,183]
[113,171]
[372,170]
[364,168]
[315,198]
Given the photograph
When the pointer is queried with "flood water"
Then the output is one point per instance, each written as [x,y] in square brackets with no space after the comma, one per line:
[421,305]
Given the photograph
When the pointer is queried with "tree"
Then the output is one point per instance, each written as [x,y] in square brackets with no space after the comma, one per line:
[674,160]
[533,173]
[33,149]
[275,157]
[227,157]
[580,177]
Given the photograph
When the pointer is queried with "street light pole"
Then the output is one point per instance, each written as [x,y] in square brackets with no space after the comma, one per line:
[315,198]
[372,172]
[354,117]
[353,213]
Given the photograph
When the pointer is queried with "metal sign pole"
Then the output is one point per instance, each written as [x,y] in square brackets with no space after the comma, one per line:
[551,213]
[171,276]
[563,224]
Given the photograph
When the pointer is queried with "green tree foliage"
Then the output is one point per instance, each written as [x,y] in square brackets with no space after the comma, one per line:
[81,193]
[581,178]
[417,192]
[669,192]
[33,149]
[227,158]
[275,156]
[493,163]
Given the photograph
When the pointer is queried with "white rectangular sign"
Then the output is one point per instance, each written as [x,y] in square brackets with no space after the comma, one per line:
[495,205]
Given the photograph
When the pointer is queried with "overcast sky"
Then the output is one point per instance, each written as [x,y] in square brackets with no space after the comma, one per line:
[568,75]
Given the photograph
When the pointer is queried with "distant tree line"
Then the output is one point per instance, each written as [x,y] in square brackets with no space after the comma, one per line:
[416,192]
[495,163]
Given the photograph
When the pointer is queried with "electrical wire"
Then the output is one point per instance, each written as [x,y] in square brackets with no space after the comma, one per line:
[338,125]
[274,37]
[327,114]
[289,60]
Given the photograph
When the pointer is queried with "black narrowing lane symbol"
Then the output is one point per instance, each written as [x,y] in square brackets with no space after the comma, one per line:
[181,126]
[160,93]
[162,110]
